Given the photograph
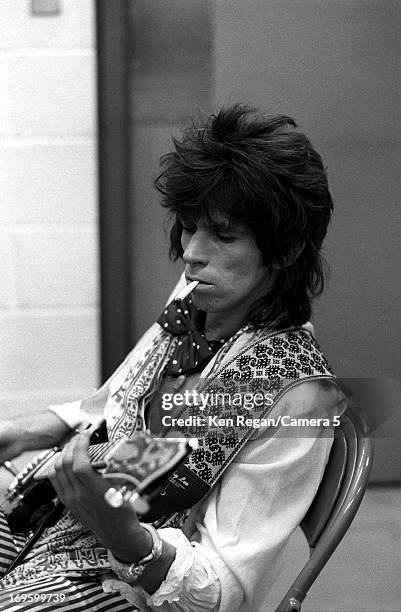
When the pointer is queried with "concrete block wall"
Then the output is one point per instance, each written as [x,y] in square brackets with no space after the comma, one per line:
[49,333]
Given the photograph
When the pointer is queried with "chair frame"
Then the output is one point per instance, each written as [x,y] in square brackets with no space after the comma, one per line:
[352,452]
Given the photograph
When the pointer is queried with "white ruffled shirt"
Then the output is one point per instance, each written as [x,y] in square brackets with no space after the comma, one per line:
[232,547]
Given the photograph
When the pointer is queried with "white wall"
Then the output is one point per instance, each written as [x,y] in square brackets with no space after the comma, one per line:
[48,206]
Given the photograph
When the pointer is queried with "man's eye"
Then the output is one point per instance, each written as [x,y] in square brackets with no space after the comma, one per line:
[224,237]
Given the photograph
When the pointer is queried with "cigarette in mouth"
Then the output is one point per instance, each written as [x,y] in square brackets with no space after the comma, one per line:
[186,291]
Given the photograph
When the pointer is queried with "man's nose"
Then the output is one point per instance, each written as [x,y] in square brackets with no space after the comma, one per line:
[195,251]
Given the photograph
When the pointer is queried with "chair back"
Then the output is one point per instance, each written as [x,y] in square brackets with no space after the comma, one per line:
[336,502]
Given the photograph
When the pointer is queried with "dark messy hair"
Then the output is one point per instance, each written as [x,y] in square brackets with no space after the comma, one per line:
[259,172]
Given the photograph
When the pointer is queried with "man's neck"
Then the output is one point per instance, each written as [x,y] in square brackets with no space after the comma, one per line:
[217,327]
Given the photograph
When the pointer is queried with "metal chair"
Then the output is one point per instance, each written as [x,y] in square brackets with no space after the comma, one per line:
[336,502]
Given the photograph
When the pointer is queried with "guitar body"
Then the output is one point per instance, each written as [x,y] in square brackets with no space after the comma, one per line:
[38,500]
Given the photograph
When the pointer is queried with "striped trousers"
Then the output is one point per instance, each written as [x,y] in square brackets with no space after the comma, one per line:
[56,593]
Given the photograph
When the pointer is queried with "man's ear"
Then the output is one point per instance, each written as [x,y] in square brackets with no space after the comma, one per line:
[289,259]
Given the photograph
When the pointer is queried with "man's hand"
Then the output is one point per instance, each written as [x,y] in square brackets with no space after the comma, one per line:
[42,430]
[82,491]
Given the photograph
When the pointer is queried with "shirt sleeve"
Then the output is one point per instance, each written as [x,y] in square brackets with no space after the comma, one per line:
[235,540]
[72,414]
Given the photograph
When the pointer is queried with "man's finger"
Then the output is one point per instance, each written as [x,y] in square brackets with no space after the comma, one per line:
[58,476]
[81,466]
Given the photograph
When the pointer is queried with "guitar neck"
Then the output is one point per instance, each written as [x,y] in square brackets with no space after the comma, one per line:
[97,453]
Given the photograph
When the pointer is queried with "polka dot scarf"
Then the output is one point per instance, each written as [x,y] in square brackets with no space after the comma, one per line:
[193,350]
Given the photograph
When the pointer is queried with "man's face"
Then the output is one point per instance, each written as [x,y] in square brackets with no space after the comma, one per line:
[228,264]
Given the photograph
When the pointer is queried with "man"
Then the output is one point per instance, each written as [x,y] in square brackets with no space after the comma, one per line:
[250,205]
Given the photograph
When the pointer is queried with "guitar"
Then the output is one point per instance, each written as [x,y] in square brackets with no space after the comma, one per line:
[135,468]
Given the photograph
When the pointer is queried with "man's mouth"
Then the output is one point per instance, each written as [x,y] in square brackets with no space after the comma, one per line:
[190,279]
